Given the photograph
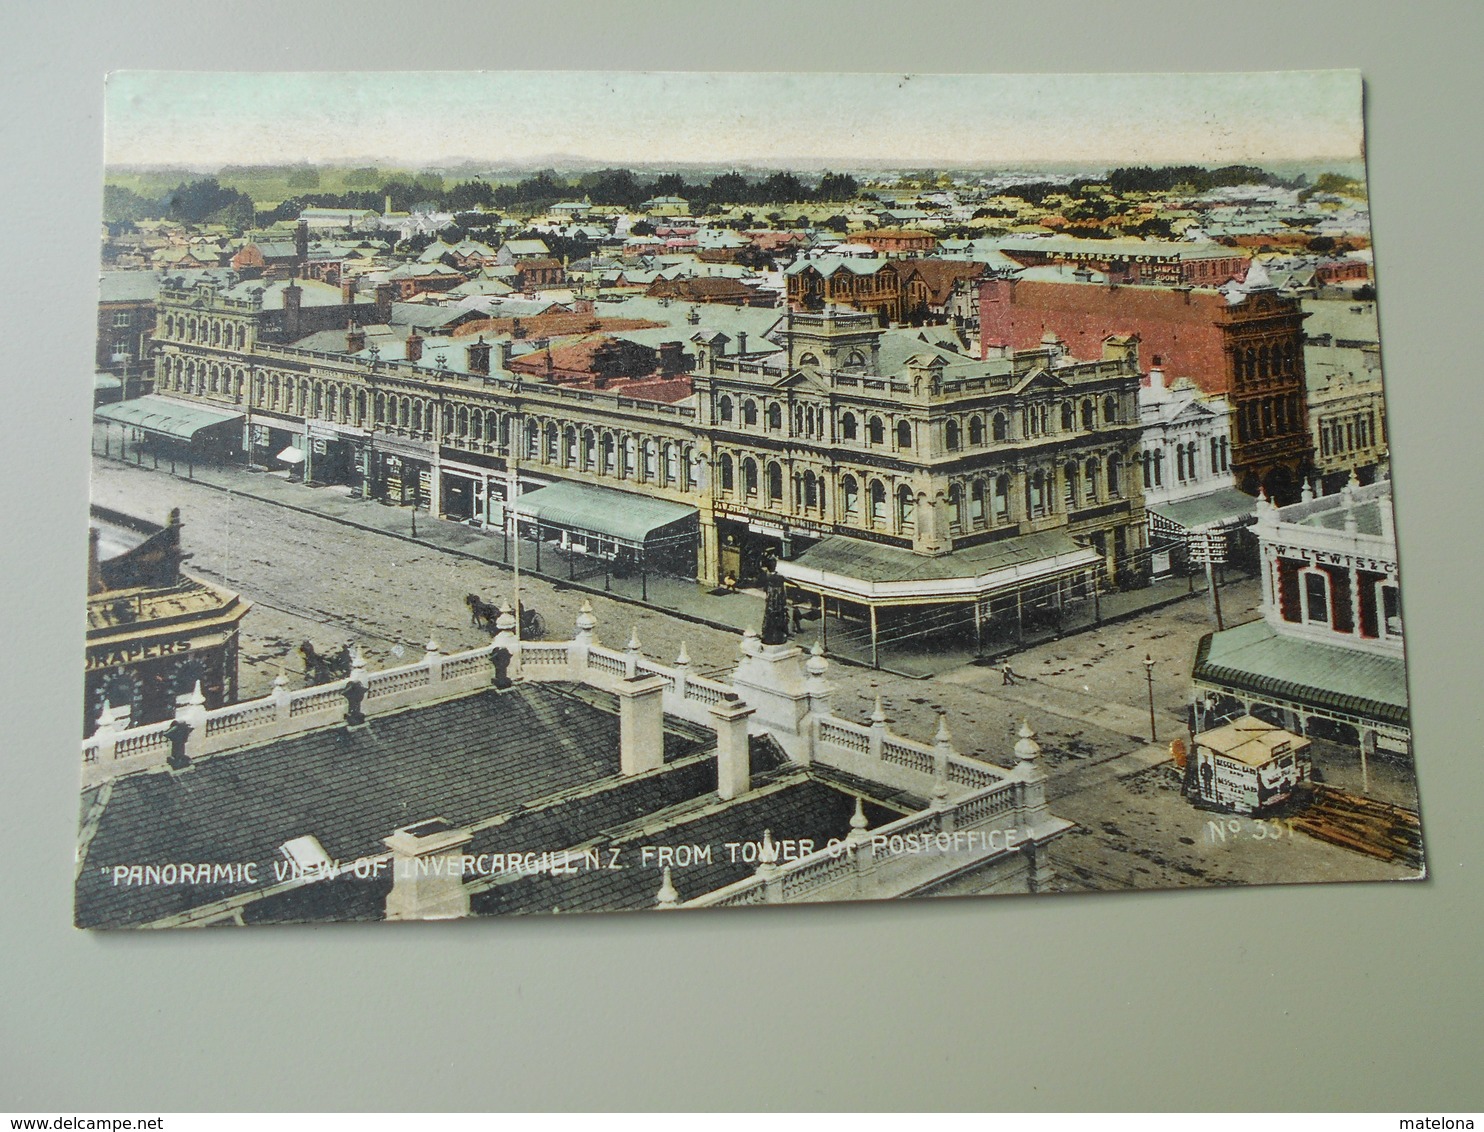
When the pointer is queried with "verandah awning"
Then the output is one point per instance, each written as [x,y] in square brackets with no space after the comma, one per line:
[178,420]
[873,574]
[1225,508]
[625,516]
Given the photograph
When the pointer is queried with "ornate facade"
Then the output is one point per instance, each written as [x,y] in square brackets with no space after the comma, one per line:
[853,430]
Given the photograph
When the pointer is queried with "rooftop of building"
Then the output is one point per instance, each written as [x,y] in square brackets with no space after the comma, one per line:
[489,757]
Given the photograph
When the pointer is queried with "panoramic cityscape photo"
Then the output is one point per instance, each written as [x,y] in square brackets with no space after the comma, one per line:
[553,492]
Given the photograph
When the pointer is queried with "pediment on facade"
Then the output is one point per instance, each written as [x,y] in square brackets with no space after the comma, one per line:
[807,378]
[1041,380]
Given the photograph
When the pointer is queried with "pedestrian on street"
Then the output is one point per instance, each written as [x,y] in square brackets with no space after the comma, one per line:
[1008,673]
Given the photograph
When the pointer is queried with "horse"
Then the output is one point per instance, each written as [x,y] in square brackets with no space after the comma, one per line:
[320,669]
[482,614]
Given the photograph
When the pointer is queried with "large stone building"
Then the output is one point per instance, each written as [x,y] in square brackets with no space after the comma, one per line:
[881,440]
[1244,343]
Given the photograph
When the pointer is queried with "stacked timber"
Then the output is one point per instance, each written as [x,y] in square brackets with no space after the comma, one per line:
[1378,829]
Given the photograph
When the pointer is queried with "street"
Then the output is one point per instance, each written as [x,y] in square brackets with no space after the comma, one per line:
[311,577]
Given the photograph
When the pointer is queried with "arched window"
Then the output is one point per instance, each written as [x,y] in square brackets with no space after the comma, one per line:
[1001,499]
[775,483]
[724,409]
[1070,475]
[1001,427]
[651,460]
[533,440]
[553,445]
[1089,415]
[749,413]
[1036,489]
[749,476]
[878,503]
[1262,362]
[691,466]
[955,505]
[904,434]
[610,455]
[847,427]
[1110,409]
[855,360]
[811,490]
[1159,469]
[672,463]
[1091,478]
[952,436]
[569,443]
[629,459]
[976,503]
[417,411]
[850,494]
[875,431]
[808,360]
[1066,416]
[906,507]
[976,431]
[589,450]
[727,473]
[775,416]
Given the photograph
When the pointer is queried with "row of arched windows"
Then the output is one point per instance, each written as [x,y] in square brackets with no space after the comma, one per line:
[1264,363]
[974,504]
[204,330]
[1268,416]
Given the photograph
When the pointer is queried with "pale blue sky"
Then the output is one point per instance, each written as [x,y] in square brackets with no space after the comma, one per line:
[425,118]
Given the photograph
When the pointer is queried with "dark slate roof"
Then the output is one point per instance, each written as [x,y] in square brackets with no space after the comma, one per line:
[801,808]
[465,760]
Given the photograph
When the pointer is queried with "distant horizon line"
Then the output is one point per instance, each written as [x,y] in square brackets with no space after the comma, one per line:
[568,163]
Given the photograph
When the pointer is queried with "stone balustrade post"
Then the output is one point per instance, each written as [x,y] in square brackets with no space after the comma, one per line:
[106,735]
[632,655]
[682,673]
[432,660]
[281,697]
[878,731]
[190,711]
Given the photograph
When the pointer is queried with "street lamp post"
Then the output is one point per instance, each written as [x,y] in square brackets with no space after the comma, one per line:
[1149,677]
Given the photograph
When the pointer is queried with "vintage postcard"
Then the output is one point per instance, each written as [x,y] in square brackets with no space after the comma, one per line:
[574,492]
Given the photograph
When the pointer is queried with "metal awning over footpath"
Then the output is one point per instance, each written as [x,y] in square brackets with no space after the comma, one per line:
[1221,509]
[875,575]
[625,517]
[1256,661]
[160,416]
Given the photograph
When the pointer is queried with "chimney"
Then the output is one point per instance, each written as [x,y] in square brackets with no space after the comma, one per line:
[414,347]
[741,342]
[506,349]
[301,242]
[384,293]
[427,872]
[1157,375]
[479,357]
[641,724]
[733,753]
[355,338]
[293,297]
[347,292]
[672,359]
[517,330]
